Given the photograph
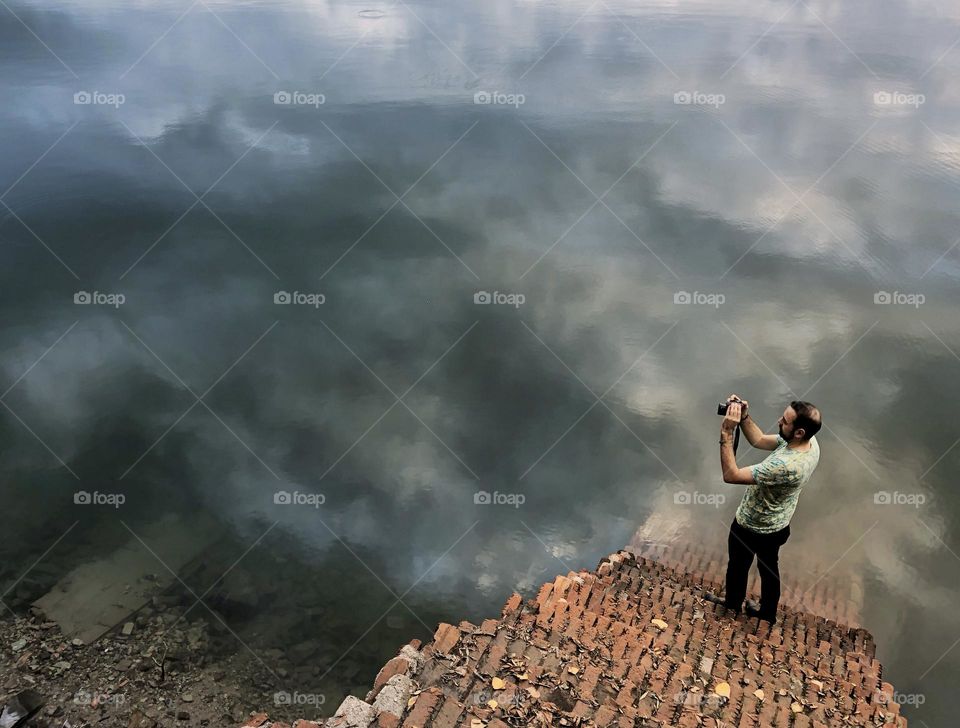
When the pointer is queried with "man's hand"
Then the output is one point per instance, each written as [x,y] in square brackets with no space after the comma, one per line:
[732,418]
[745,406]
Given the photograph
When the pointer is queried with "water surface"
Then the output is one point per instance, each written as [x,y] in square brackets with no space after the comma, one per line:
[789,167]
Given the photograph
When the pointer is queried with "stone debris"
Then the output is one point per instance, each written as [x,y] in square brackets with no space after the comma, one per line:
[631,644]
[166,672]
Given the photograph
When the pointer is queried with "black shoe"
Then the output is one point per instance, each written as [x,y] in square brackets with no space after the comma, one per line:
[752,609]
[711,597]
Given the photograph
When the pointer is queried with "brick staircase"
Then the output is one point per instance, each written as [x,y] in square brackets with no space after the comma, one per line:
[808,585]
[630,644]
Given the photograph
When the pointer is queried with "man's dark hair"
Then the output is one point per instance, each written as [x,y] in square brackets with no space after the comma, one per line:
[808,418]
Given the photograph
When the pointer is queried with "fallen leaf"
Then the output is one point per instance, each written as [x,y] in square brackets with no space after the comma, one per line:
[492,703]
[723,689]
[758,694]
[573,669]
[411,701]
[659,623]
[497,683]
[796,708]
[523,676]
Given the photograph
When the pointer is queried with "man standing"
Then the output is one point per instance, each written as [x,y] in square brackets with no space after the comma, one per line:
[762,523]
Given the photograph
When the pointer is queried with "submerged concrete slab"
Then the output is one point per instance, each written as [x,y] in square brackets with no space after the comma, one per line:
[97,596]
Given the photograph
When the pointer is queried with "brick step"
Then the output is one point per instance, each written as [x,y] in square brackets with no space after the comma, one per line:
[632,643]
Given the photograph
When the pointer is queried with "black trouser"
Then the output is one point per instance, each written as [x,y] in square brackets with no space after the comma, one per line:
[743,544]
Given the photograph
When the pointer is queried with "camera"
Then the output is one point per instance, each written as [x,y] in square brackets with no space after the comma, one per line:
[722,407]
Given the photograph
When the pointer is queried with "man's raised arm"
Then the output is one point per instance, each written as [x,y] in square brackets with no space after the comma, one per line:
[752,431]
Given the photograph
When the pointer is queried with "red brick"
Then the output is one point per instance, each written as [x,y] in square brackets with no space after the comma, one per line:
[445,637]
[423,708]
[394,666]
[387,720]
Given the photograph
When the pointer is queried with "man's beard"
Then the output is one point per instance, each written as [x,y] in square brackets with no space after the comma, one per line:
[782,433]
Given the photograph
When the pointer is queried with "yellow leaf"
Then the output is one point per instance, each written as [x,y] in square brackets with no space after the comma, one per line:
[659,623]
[498,683]
[723,689]
[523,676]
[796,708]
[573,669]
[758,694]
[411,701]
[492,703]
